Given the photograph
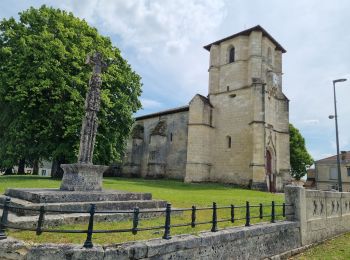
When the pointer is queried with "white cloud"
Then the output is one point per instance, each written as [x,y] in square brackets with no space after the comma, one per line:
[149,103]
[84,9]
[163,39]
[165,35]
[167,39]
[311,121]
[145,23]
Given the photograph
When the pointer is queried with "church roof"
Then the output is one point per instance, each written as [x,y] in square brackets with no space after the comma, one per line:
[205,99]
[281,95]
[164,112]
[246,33]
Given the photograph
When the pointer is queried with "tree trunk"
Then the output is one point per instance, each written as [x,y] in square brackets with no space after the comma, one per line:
[21,166]
[35,167]
[8,171]
[56,170]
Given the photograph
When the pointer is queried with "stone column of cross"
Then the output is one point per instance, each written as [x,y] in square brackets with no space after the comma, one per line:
[92,106]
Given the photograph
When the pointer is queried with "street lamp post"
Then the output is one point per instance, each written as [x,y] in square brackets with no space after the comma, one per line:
[340,186]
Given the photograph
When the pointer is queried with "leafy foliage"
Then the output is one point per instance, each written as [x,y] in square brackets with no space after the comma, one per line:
[43,83]
[300,159]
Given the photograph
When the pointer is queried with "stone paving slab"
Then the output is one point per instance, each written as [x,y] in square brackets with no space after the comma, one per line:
[82,206]
[56,195]
[53,221]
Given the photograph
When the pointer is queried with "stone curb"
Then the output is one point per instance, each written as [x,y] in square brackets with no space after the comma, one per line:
[205,244]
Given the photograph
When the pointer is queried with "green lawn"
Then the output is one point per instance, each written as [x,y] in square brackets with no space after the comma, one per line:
[336,248]
[176,192]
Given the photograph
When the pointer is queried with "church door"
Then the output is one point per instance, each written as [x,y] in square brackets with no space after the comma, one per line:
[270,175]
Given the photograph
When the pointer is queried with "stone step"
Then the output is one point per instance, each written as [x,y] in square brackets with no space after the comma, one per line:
[56,195]
[82,206]
[54,221]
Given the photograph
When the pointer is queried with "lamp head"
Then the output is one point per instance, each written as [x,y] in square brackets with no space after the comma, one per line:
[339,80]
[331,116]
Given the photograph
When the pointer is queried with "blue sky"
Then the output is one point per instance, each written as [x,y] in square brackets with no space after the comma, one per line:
[163,40]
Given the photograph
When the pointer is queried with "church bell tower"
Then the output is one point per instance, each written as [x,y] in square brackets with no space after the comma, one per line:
[246,138]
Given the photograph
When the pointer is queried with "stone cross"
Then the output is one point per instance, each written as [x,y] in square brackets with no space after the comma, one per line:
[92,106]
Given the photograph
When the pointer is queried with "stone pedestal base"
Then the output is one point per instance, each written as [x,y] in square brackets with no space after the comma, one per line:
[82,177]
[55,199]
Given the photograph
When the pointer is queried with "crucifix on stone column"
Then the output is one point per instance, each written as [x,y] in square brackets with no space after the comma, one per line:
[92,106]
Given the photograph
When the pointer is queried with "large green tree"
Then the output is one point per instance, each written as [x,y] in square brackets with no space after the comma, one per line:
[43,83]
[300,159]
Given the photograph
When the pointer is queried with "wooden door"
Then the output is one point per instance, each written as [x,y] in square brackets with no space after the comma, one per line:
[270,175]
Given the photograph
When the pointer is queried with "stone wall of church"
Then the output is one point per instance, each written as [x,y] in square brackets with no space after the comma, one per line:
[231,147]
[282,142]
[157,147]
[200,137]
[276,114]
[223,74]
[249,116]
[232,136]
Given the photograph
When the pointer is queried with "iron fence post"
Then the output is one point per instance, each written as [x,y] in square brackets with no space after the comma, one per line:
[88,242]
[260,210]
[39,228]
[193,217]
[214,227]
[247,214]
[232,213]
[167,222]
[273,215]
[284,210]
[4,218]
[135,221]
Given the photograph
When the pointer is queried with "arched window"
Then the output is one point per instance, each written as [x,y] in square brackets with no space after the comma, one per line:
[228,141]
[231,55]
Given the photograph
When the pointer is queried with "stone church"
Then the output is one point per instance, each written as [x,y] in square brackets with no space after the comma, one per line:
[238,134]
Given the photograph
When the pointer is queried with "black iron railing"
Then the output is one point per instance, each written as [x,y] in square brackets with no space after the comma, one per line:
[4,224]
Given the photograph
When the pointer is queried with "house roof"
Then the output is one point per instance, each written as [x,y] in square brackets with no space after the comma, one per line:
[246,33]
[333,159]
[164,112]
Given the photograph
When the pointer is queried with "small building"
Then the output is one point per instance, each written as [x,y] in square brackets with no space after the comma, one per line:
[326,172]
[44,169]
[238,133]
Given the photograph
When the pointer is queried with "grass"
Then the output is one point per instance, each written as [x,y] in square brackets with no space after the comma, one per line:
[336,248]
[26,181]
[181,195]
